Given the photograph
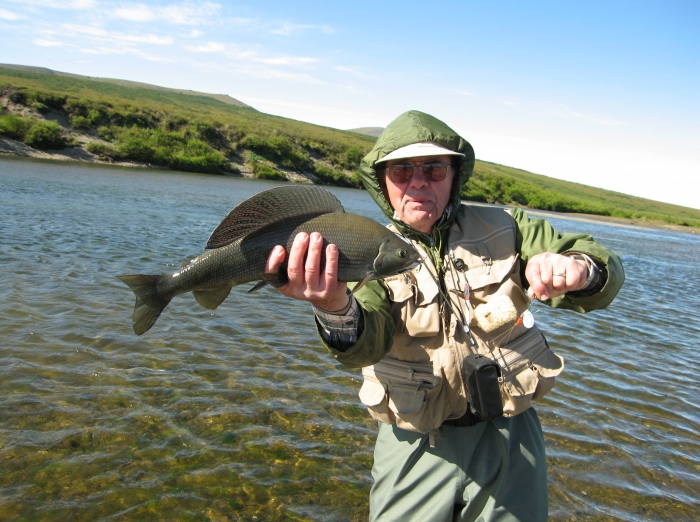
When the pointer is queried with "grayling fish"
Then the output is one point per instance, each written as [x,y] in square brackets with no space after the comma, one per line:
[243,241]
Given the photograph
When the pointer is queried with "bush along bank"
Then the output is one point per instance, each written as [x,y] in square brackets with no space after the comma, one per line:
[171,138]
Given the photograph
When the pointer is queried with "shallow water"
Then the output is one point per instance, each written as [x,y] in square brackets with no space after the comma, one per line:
[240,413]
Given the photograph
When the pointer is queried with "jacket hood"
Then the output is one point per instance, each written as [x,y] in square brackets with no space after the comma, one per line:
[416,127]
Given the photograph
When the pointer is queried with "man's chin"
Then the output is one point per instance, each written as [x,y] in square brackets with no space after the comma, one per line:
[417,218]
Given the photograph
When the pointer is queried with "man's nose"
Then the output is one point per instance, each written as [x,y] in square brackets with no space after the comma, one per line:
[418,179]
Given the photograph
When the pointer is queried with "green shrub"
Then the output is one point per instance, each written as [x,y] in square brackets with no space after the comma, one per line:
[210,133]
[352,157]
[277,148]
[106,133]
[46,135]
[79,122]
[50,100]
[332,176]
[40,107]
[102,150]
[263,171]
[14,127]
[19,97]
[356,179]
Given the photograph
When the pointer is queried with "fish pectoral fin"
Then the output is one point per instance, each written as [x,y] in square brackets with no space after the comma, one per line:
[257,286]
[276,279]
[211,298]
[361,284]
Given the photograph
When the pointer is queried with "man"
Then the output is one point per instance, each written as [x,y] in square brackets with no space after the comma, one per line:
[457,441]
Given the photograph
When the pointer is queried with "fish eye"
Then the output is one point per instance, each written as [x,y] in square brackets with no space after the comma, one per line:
[403,253]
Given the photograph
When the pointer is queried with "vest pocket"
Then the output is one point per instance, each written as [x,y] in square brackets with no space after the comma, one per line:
[397,392]
[529,371]
[416,310]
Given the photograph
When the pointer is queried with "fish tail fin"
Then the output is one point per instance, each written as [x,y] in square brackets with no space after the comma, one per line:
[149,303]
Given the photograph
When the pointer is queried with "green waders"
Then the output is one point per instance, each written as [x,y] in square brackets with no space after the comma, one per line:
[493,471]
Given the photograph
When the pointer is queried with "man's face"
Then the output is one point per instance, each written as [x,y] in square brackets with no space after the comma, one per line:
[419,202]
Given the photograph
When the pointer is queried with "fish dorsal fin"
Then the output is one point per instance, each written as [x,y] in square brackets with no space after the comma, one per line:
[270,206]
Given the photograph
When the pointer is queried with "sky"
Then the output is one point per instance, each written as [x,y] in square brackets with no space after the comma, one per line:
[605,93]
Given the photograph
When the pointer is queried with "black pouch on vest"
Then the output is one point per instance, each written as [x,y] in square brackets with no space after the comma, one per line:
[482,376]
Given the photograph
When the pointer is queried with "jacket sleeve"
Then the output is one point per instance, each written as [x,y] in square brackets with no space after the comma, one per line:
[377,335]
[535,236]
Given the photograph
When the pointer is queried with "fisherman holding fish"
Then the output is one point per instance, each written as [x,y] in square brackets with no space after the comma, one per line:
[450,352]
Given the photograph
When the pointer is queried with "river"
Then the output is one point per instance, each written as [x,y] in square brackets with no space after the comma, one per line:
[240,414]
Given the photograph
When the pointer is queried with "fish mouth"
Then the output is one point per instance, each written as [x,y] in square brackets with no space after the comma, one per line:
[411,266]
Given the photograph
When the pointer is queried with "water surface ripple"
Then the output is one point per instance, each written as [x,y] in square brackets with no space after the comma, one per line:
[240,413]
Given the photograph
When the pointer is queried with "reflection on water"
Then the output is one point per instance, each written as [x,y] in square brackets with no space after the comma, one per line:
[240,413]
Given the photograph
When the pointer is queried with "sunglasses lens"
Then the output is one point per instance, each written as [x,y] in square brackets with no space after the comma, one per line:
[435,172]
[400,173]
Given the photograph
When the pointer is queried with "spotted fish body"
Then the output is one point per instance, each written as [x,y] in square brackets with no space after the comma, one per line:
[243,241]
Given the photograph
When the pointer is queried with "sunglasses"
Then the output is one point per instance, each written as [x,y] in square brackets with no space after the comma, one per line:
[402,173]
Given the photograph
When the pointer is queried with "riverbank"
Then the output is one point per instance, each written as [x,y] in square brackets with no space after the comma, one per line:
[15,149]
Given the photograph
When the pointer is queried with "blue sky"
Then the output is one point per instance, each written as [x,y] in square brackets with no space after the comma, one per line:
[602,93]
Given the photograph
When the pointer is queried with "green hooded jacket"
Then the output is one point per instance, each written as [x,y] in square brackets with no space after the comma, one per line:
[534,236]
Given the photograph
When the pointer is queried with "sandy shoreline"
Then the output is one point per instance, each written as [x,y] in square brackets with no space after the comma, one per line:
[12,148]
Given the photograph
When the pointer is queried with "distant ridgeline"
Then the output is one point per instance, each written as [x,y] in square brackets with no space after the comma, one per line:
[117,121]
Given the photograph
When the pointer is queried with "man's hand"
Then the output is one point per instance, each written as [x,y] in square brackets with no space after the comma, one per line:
[552,275]
[307,281]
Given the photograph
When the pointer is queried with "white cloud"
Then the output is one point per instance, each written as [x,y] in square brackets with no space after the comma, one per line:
[86,29]
[147,38]
[288,28]
[62,4]
[119,37]
[592,119]
[47,43]
[286,60]
[266,72]
[136,13]
[8,15]
[351,70]
[178,14]
[210,47]
[234,53]
[102,50]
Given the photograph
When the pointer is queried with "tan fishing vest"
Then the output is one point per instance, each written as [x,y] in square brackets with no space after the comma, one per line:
[420,383]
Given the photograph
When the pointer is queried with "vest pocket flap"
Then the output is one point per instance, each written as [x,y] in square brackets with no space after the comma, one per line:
[405,398]
[519,388]
[490,273]
[521,351]
[548,364]
[392,370]
[399,288]
[372,392]
[418,285]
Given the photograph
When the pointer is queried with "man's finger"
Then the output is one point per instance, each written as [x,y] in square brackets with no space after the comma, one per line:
[313,260]
[533,275]
[331,271]
[275,260]
[295,266]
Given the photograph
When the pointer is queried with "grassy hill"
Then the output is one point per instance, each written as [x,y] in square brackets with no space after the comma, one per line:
[43,70]
[117,121]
